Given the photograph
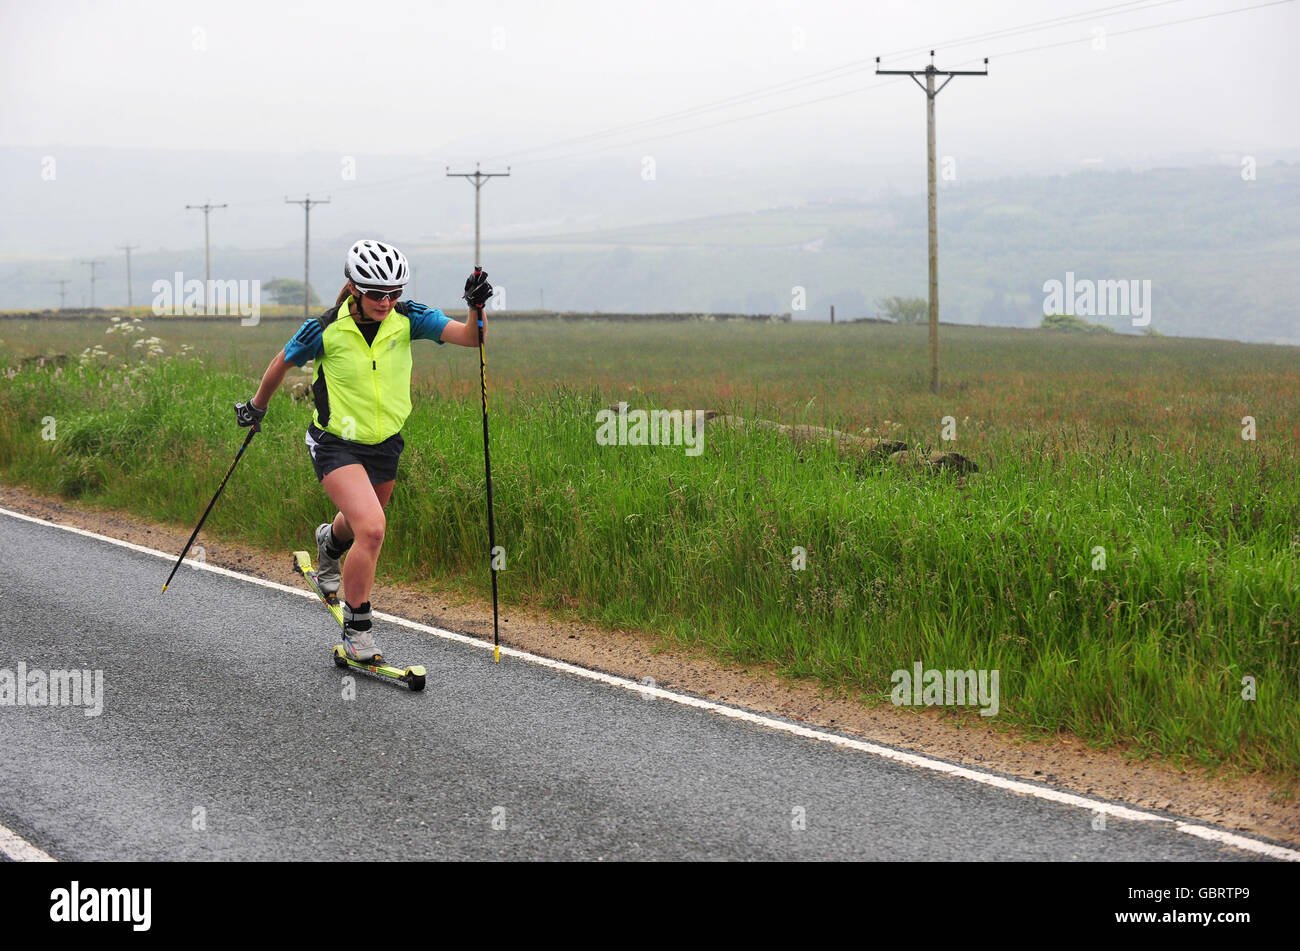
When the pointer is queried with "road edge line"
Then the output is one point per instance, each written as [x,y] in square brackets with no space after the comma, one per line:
[19,849]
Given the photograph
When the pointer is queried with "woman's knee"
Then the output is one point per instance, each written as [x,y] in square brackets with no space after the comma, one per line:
[370,531]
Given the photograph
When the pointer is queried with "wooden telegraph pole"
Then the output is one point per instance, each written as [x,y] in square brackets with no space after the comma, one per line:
[478,179]
[930,93]
[306,247]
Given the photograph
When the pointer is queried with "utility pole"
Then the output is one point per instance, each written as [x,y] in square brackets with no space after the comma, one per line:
[479,179]
[930,92]
[207,249]
[93,264]
[63,290]
[128,248]
[306,244]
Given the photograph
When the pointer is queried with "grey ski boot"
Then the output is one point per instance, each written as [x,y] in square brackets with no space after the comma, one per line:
[358,636]
[328,559]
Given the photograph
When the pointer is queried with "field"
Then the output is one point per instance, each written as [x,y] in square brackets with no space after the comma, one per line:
[1185,644]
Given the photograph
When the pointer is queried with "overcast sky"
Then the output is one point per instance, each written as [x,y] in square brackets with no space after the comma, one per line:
[146,107]
[460,81]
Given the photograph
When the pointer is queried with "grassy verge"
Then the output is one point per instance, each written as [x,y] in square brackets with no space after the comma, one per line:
[997,572]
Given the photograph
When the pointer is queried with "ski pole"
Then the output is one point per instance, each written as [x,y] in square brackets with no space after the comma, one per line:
[247,440]
[487,467]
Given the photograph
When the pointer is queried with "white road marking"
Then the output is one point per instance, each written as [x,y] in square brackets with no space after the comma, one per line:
[1221,836]
[19,849]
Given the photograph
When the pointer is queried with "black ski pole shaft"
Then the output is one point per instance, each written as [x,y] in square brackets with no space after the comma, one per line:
[247,440]
[487,468]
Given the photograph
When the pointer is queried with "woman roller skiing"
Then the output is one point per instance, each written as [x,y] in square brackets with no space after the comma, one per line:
[362,390]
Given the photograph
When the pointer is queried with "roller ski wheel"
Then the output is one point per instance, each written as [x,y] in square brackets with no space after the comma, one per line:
[413,676]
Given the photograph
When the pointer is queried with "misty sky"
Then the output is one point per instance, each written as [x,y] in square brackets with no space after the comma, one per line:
[460,81]
[258,101]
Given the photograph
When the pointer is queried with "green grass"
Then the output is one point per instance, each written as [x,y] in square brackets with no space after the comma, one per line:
[1133,445]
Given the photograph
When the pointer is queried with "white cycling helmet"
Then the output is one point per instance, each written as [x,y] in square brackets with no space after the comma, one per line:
[373,264]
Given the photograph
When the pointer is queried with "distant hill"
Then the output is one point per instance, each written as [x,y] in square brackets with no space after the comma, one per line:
[1220,255]
[1219,252]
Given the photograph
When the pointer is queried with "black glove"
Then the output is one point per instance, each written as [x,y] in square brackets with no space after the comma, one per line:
[477,289]
[246,414]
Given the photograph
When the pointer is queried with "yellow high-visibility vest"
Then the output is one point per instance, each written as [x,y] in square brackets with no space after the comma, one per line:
[363,391]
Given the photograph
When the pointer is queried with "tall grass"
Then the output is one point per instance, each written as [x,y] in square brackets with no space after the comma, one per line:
[1085,445]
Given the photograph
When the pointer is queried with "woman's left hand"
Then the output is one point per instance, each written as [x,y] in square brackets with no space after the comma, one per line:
[477,289]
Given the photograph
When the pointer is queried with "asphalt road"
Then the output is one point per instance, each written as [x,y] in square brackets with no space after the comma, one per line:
[226,733]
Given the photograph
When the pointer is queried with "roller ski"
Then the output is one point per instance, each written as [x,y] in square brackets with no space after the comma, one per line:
[358,650]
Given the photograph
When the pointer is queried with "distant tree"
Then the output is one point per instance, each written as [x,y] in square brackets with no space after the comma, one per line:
[286,291]
[1072,324]
[905,310]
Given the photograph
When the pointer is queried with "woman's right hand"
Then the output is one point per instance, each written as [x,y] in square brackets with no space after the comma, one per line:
[248,414]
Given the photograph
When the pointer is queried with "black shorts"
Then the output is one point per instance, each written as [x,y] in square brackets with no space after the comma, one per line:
[329,452]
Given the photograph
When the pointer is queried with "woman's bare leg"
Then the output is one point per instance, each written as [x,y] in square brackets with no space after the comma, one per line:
[343,531]
[360,517]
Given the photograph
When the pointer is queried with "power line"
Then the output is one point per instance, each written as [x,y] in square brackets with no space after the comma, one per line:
[763,92]
[1143,29]
[837,72]
[715,125]
[1037,26]
[868,88]
[739,99]
[831,74]
[346,190]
